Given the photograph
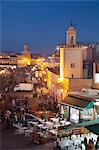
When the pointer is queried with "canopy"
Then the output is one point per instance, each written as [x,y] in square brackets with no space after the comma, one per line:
[90,105]
[92,126]
[76,102]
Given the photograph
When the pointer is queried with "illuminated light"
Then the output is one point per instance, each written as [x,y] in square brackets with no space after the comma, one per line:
[60,80]
[49,80]
[26,61]
[43,59]
[43,72]
[97,78]
[36,74]
[61,90]
[40,74]
[42,69]
[44,80]
[2,71]
[66,83]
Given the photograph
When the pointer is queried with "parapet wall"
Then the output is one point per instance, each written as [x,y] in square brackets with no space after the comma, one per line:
[77,84]
[96,86]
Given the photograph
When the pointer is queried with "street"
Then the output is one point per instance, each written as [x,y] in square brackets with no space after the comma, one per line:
[11,141]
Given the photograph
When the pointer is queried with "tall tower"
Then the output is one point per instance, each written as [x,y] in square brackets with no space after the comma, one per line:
[73,59]
[26,47]
[26,55]
[71,37]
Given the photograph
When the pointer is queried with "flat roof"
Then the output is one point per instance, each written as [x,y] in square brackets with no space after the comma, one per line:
[88,94]
[75,102]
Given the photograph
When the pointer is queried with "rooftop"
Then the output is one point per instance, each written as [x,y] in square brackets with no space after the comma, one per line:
[87,94]
[55,70]
[76,102]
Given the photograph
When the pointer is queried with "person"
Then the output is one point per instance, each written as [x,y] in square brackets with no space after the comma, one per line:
[15,119]
[83,145]
[90,145]
[18,113]
[22,117]
[97,144]
[85,142]
[43,116]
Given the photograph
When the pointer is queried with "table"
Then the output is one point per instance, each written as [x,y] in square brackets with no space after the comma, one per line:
[32,122]
[54,132]
[67,123]
[63,122]
[49,124]
[54,119]
[21,130]
[28,132]
[65,143]
[18,125]
[41,126]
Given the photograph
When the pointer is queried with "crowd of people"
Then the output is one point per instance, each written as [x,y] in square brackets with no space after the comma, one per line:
[11,117]
[91,145]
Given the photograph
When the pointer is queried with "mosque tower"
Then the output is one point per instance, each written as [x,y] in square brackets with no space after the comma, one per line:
[71,36]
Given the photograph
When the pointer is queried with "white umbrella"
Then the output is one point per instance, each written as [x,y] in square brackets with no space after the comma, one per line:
[62,110]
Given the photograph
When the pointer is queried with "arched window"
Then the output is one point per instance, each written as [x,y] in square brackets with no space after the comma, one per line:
[71,41]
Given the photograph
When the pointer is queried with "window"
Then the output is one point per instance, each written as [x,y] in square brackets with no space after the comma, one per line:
[72,65]
[71,41]
[72,76]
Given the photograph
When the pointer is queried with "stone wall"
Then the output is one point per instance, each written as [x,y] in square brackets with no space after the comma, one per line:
[77,84]
[96,86]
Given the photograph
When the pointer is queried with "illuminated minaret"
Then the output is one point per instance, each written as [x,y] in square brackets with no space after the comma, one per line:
[71,57]
[73,64]
[71,37]
[26,55]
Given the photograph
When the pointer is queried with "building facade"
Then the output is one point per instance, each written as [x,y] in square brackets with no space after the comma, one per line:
[76,67]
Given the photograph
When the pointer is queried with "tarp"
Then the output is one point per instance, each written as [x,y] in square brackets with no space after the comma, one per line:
[92,126]
[76,102]
[90,105]
[94,129]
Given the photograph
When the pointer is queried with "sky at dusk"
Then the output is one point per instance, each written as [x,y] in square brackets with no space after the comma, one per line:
[43,24]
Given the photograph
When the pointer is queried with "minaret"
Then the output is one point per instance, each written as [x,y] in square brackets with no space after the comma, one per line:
[26,47]
[26,55]
[71,36]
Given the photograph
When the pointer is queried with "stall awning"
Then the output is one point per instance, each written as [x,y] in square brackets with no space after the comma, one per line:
[77,102]
[90,105]
[92,126]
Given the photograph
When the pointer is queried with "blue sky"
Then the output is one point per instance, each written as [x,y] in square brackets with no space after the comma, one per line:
[43,24]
